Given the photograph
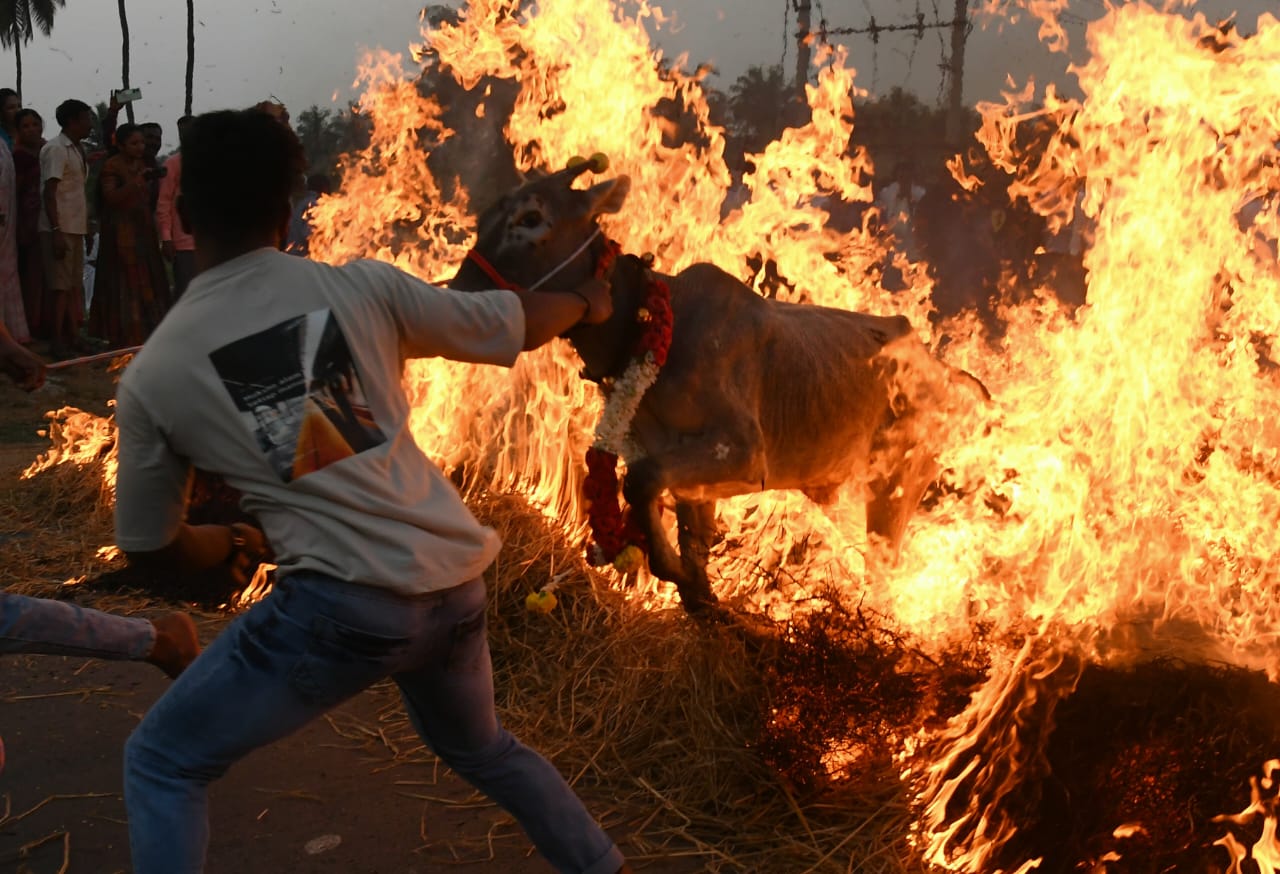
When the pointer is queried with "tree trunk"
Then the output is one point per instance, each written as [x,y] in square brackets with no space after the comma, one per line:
[955,101]
[17,55]
[191,53]
[124,58]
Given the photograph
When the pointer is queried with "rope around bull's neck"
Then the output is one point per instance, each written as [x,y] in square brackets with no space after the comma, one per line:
[567,261]
[492,272]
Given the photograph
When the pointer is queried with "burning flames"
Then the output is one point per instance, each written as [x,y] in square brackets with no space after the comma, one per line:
[79,438]
[1124,494]
[1122,501]
[1128,451]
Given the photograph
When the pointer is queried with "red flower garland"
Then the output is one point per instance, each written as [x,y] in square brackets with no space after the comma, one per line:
[612,531]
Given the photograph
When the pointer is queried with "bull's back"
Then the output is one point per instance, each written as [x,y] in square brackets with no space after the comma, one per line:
[825,391]
[812,375]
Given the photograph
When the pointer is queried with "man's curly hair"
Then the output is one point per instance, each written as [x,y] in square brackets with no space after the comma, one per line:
[239,170]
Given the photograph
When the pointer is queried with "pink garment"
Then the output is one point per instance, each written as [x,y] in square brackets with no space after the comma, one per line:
[12,312]
[167,221]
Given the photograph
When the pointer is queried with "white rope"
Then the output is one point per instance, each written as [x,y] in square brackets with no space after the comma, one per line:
[565,263]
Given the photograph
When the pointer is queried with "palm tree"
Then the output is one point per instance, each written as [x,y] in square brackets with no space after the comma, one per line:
[191,52]
[124,58]
[19,20]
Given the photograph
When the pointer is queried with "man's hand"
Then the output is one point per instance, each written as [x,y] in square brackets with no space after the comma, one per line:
[599,297]
[59,245]
[166,249]
[551,313]
[21,366]
[249,549]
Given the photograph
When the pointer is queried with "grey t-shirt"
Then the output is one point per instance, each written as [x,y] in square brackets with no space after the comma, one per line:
[283,375]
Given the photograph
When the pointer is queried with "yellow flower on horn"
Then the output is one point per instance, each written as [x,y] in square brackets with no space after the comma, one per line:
[599,162]
[540,602]
[630,560]
[575,161]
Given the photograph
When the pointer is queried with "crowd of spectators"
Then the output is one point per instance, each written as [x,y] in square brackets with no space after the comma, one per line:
[93,251]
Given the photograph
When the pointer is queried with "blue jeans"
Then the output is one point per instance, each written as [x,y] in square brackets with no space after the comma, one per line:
[311,644]
[58,628]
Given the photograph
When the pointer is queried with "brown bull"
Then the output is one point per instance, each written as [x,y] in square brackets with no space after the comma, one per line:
[756,394]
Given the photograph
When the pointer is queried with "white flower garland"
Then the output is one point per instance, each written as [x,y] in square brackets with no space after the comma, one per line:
[613,431]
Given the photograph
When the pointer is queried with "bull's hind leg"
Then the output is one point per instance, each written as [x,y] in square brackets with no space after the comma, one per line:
[696,530]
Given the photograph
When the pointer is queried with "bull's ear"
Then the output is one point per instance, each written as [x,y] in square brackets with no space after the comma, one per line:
[608,196]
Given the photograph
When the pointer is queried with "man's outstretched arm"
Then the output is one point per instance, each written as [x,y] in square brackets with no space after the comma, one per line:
[548,314]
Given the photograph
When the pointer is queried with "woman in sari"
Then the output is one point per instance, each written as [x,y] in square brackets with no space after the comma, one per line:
[12,312]
[131,289]
[26,160]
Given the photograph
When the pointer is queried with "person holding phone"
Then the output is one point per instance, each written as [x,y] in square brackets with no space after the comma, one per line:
[131,290]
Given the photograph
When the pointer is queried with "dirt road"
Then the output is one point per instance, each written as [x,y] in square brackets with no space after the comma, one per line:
[333,798]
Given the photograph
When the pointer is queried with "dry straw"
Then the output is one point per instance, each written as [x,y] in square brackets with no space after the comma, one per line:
[657,718]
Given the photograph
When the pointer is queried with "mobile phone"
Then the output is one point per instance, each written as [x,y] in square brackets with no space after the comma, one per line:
[128,95]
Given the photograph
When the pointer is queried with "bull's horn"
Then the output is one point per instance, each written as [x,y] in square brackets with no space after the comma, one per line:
[598,162]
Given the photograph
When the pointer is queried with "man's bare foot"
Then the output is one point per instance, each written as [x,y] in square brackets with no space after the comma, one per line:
[176,643]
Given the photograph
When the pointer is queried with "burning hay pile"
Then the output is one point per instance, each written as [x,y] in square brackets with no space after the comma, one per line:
[783,751]
[1070,663]
[779,747]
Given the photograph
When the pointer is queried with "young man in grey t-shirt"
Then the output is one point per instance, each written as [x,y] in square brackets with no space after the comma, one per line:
[282,375]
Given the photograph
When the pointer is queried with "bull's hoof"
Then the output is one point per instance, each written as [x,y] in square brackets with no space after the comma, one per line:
[700,603]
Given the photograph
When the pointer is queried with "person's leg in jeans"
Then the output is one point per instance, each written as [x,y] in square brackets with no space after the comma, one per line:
[39,625]
[296,654]
[449,697]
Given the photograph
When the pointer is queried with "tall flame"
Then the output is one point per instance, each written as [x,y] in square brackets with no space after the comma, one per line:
[607,99]
[1128,459]
[1126,484]
[1135,451]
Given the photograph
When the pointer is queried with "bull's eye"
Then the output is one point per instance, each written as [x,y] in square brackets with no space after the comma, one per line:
[529,220]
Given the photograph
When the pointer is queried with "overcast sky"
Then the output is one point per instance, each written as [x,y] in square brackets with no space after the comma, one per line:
[302,51]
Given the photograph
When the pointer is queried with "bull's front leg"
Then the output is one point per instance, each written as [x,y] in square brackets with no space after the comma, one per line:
[695,532]
[729,460]
[642,487]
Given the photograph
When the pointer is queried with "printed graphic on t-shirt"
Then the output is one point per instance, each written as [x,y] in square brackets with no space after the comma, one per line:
[298,393]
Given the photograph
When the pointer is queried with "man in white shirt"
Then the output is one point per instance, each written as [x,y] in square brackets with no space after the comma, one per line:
[282,375]
[64,223]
